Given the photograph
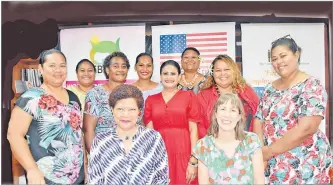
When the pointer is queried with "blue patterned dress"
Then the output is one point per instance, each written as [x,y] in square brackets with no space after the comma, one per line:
[54,135]
[97,105]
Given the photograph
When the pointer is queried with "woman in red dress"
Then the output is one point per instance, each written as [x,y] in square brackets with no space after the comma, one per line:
[175,113]
[225,77]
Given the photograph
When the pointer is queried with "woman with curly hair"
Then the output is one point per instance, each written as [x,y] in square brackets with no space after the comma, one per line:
[225,77]
[128,153]
[97,115]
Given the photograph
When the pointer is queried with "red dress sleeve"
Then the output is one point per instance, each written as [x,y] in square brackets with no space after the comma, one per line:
[203,125]
[252,99]
[193,109]
[147,116]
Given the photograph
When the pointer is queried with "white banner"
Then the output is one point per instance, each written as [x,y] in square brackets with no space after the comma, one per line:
[211,39]
[256,45]
[96,43]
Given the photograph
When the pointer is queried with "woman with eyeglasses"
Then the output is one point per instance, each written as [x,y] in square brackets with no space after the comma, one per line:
[225,77]
[97,115]
[287,121]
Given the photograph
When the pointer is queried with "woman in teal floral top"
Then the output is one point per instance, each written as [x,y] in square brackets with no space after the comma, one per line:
[97,115]
[50,118]
[228,154]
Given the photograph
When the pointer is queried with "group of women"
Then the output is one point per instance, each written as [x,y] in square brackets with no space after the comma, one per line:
[190,128]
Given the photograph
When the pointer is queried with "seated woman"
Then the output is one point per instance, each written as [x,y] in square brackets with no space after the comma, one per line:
[144,66]
[128,153]
[228,154]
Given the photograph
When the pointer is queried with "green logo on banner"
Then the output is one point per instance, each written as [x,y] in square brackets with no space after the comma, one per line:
[102,47]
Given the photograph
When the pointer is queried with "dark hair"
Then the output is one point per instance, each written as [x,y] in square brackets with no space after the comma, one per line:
[44,54]
[191,48]
[290,43]
[108,59]
[170,62]
[82,61]
[141,55]
[125,91]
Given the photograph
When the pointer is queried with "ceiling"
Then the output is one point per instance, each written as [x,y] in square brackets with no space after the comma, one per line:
[73,13]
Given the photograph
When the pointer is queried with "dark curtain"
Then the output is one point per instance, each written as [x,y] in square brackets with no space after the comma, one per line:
[20,39]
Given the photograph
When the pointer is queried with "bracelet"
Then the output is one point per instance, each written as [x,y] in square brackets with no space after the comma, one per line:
[192,156]
[193,164]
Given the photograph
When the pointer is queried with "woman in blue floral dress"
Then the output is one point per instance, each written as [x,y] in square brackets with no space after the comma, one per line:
[97,114]
[289,114]
[45,127]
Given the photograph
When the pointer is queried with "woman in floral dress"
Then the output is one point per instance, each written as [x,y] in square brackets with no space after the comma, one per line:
[97,115]
[228,154]
[45,127]
[288,117]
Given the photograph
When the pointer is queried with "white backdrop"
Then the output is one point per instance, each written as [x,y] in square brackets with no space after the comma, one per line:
[96,43]
[211,39]
[256,43]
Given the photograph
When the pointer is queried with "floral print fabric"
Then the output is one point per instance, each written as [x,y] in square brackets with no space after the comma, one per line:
[97,104]
[308,163]
[54,135]
[225,170]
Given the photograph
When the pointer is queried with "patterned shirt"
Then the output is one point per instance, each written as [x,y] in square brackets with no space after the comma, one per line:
[310,161]
[146,162]
[54,135]
[97,105]
[225,170]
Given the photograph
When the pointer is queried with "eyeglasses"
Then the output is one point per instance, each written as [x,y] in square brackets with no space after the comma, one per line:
[287,37]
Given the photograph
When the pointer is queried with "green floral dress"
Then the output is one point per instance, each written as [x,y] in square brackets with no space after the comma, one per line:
[225,170]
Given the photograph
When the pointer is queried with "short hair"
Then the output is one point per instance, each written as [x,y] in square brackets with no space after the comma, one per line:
[82,61]
[45,53]
[234,100]
[107,61]
[172,63]
[290,43]
[125,91]
[141,55]
[192,49]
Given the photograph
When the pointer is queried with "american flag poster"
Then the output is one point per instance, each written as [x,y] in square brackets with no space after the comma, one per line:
[211,39]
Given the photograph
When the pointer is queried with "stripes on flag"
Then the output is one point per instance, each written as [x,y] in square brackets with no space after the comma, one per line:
[209,44]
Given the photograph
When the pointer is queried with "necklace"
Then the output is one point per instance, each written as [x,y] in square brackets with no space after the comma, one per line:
[127,137]
[219,92]
[191,83]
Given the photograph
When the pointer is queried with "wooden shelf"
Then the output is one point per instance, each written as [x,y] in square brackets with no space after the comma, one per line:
[17,169]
